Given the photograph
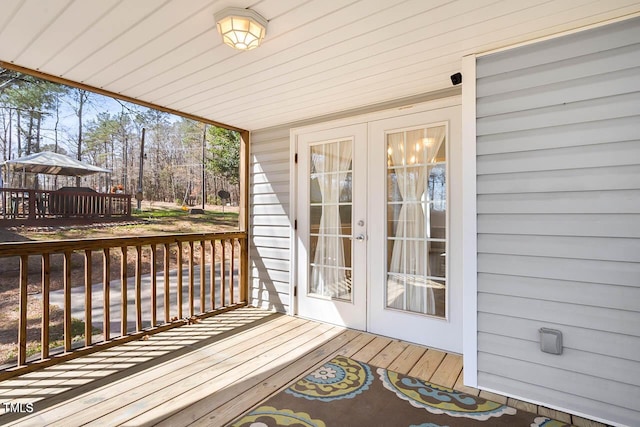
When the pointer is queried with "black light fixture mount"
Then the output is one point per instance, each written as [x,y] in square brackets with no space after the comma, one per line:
[456,79]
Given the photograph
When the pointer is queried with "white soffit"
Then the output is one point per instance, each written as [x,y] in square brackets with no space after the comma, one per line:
[319,56]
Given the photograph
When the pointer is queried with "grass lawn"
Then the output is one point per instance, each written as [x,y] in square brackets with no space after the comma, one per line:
[155,219]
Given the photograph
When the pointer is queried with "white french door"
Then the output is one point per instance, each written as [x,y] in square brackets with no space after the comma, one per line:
[331,243]
[414,294]
[375,242]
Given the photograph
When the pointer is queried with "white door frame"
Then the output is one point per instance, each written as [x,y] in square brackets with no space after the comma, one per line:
[366,118]
[469,225]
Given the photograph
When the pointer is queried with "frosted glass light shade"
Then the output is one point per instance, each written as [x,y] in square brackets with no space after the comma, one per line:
[242,29]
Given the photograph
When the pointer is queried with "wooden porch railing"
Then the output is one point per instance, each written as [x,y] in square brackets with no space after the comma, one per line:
[200,275]
[38,204]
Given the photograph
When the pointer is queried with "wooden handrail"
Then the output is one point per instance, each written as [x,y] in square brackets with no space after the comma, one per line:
[224,271]
[55,246]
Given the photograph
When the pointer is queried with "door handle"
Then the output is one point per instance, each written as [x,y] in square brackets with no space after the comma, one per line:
[359,237]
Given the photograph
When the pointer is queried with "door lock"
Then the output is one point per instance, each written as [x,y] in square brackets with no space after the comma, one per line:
[359,237]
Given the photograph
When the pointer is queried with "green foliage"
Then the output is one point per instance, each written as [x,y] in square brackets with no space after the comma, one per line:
[30,98]
[224,152]
[108,133]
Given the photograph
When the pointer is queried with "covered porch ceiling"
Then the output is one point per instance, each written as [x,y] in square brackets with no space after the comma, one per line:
[319,57]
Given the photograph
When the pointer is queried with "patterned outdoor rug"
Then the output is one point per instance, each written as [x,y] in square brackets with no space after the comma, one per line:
[347,393]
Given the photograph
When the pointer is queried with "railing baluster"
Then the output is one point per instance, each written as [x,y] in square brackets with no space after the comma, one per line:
[179,278]
[123,292]
[231,271]
[244,270]
[138,288]
[22,322]
[154,285]
[106,286]
[88,288]
[191,278]
[46,280]
[32,204]
[223,277]
[167,313]
[208,303]
[67,301]
[212,273]
[203,256]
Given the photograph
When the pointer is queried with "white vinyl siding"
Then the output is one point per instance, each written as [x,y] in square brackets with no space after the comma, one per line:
[558,202]
[270,222]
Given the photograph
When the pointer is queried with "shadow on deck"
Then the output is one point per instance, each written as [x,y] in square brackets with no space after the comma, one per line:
[211,372]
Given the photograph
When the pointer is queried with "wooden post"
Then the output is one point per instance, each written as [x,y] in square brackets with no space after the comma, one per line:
[203,263]
[88,285]
[123,292]
[179,285]
[243,218]
[231,272]
[22,322]
[191,279]
[167,260]
[244,270]
[67,301]
[46,279]
[154,284]
[212,274]
[138,288]
[106,284]
[223,276]
[32,204]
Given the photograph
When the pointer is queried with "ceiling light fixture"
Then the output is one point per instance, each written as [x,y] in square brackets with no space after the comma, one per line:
[242,29]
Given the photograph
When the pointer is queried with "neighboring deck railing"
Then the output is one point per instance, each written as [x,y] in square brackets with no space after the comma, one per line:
[199,274]
[19,204]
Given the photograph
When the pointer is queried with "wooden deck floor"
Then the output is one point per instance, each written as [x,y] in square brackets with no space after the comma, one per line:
[209,373]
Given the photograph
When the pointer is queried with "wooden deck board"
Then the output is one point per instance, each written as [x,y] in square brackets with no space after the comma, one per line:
[388,354]
[247,391]
[210,373]
[372,349]
[159,348]
[407,359]
[193,388]
[282,379]
[448,371]
[165,376]
[427,365]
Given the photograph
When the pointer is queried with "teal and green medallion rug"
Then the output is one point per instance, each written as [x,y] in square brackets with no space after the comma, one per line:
[347,393]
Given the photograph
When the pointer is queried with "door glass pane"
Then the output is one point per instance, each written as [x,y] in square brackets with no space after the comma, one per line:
[395,291]
[345,187]
[315,213]
[393,219]
[416,220]
[437,266]
[330,214]
[345,219]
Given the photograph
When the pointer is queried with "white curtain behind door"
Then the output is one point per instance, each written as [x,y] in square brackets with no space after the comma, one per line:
[410,152]
[328,276]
